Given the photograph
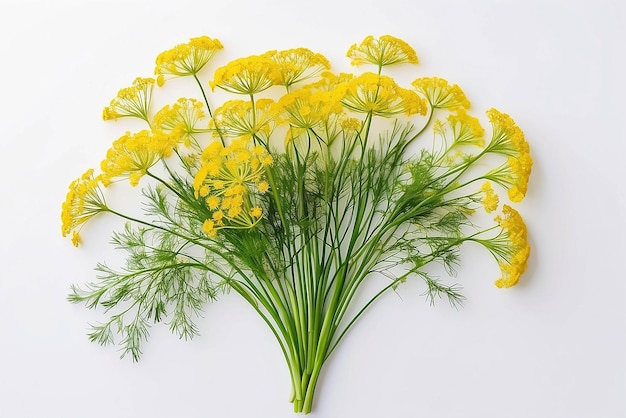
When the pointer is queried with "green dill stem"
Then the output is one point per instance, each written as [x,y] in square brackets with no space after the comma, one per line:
[164,183]
[206,101]
[426,125]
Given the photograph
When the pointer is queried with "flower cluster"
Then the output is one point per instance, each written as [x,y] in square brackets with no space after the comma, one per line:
[250,75]
[132,155]
[440,94]
[296,65]
[508,139]
[237,118]
[84,200]
[516,235]
[228,180]
[296,226]
[382,51]
[381,96]
[133,101]
[186,59]
[181,119]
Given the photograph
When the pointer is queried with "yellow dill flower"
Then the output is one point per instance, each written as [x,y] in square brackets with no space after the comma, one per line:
[466,129]
[186,59]
[508,139]
[133,101]
[228,180]
[133,154]
[295,65]
[440,94]
[382,51]
[263,187]
[84,200]
[381,95]
[208,227]
[248,75]
[237,118]
[490,199]
[521,168]
[307,107]
[180,119]
[517,252]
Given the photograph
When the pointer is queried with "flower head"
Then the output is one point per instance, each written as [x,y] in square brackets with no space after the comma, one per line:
[386,50]
[133,154]
[490,199]
[133,101]
[381,95]
[514,231]
[295,65]
[180,119]
[248,75]
[186,59]
[237,118]
[309,107]
[440,94]
[84,200]
[466,129]
[508,139]
[228,180]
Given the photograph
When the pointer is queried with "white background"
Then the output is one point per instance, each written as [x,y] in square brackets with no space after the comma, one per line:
[555,346]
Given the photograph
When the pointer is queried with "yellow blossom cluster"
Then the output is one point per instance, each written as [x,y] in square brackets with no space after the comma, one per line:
[466,129]
[133,101]
[249,75]
[382,51]
[440,94]
[133,154]
[309,107]
[84,200]
[295,65]
[516,233]
[490,199]
[459,129]
[180,119]
[381,96]
[237,118]
[228,180]
[508,139]
[186,59]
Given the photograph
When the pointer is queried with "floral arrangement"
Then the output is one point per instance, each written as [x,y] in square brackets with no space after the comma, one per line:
[293,194]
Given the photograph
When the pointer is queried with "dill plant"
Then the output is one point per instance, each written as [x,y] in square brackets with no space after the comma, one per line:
[294,203]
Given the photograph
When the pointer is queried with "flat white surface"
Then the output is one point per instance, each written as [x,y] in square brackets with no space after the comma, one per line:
[555,346]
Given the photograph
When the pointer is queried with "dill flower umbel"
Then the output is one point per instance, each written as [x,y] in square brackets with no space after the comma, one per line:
[248,75]
[237,118]
[295,65]
[84,200]
[181,119]
[133,154]
[381,95]
[186,59]
[440,94]
[307,108]
[466,129]
[490,199]
[228,180]
[133,101]
[517,248]
[386,50]
[508,140]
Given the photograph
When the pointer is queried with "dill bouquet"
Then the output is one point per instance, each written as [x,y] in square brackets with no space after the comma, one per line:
[293,194]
